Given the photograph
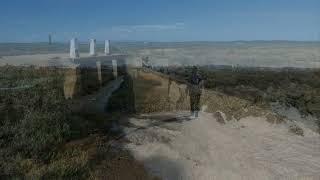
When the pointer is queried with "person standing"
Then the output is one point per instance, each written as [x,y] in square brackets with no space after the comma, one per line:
[194,88]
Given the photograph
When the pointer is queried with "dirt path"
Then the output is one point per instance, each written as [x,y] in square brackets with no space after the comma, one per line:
[204,148]
[96,102]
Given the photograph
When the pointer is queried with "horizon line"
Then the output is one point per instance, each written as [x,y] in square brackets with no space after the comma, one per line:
[148,41]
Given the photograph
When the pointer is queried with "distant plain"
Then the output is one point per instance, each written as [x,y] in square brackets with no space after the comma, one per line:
[238,53]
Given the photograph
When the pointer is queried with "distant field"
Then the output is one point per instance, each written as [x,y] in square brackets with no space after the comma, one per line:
[240,53]
[255,53]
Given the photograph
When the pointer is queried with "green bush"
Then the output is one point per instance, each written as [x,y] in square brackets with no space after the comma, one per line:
[33,122]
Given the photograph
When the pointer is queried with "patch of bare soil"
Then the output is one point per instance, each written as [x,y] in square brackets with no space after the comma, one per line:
[204,148]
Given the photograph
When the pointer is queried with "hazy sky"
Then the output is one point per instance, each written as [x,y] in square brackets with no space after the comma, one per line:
[160,20]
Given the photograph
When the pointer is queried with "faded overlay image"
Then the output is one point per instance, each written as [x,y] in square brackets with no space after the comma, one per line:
[150,90]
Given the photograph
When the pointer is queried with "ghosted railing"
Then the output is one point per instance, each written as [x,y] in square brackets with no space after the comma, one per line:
[60,99]
[287,83]
[73,94]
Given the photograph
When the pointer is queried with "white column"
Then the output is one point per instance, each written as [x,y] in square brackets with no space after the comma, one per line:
[98,63]
[74,48]
[107,47]
[115,68]
[92,47]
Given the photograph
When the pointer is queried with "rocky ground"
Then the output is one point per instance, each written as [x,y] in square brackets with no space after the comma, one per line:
[172,146]
[232,139]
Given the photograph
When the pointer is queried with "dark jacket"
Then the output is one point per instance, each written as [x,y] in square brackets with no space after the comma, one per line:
[195,84]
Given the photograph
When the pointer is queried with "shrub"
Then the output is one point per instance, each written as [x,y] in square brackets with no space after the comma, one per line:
[32,122]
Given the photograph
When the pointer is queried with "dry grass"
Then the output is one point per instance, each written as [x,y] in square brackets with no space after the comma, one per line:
[152,96]
[88,158]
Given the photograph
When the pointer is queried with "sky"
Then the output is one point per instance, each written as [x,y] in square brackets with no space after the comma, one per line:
[159,20]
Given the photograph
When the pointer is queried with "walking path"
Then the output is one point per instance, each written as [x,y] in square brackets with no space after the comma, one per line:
[173,146]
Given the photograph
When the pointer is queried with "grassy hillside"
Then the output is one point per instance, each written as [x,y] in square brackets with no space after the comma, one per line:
[290,87]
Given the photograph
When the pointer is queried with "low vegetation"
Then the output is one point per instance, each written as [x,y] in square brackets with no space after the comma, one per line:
[35,121]
[290,87]
[42,138]
[295,129]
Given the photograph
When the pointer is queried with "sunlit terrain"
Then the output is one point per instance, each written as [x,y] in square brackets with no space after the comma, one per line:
[259,111]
